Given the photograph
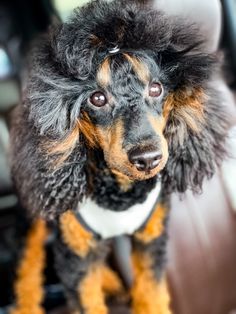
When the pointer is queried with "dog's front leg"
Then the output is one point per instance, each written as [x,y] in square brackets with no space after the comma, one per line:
[80,266]
[150,292]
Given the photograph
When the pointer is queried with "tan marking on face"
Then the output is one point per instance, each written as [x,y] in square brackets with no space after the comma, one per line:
[110,140]
[158,124]
[186,106]
[154,227]
[67,143]
[139,67]
[148,294]
[104,74]
[79,240]
[62,149]
[66,146]
[88,129]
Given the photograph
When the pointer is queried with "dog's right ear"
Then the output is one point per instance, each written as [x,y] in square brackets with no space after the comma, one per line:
[45,131]
[42,189]
[48,155]
[54,98]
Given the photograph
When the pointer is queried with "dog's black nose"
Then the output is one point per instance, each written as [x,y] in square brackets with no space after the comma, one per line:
[144,158]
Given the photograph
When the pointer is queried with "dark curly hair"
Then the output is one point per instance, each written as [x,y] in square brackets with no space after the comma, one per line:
[56,159]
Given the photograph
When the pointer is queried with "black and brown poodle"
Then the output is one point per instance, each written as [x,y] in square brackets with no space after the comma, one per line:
[119,111]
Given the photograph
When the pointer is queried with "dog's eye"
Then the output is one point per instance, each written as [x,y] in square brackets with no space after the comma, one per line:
[155,90]
[98,99]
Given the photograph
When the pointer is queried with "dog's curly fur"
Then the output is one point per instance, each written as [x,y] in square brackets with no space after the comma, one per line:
[59,155]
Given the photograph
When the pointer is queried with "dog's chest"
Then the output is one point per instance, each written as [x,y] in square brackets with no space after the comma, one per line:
[108,223]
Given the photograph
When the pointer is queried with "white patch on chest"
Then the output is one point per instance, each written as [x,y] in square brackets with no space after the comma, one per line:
[108,223]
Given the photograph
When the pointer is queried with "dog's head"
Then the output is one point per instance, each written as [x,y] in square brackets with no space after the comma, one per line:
[123,115]
[123,78]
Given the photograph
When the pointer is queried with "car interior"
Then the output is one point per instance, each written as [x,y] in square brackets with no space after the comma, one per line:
[202,228]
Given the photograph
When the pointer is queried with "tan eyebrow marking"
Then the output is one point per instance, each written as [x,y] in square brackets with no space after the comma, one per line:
[104,73]
[139,67]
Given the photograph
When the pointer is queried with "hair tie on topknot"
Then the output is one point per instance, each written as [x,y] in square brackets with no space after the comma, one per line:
[114,50]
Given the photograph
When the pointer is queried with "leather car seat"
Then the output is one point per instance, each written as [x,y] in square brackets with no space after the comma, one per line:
[202,246]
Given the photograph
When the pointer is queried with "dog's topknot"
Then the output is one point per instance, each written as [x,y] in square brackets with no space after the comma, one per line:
[81,44]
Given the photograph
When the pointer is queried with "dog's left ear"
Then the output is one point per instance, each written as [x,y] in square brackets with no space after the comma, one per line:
[196,121]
